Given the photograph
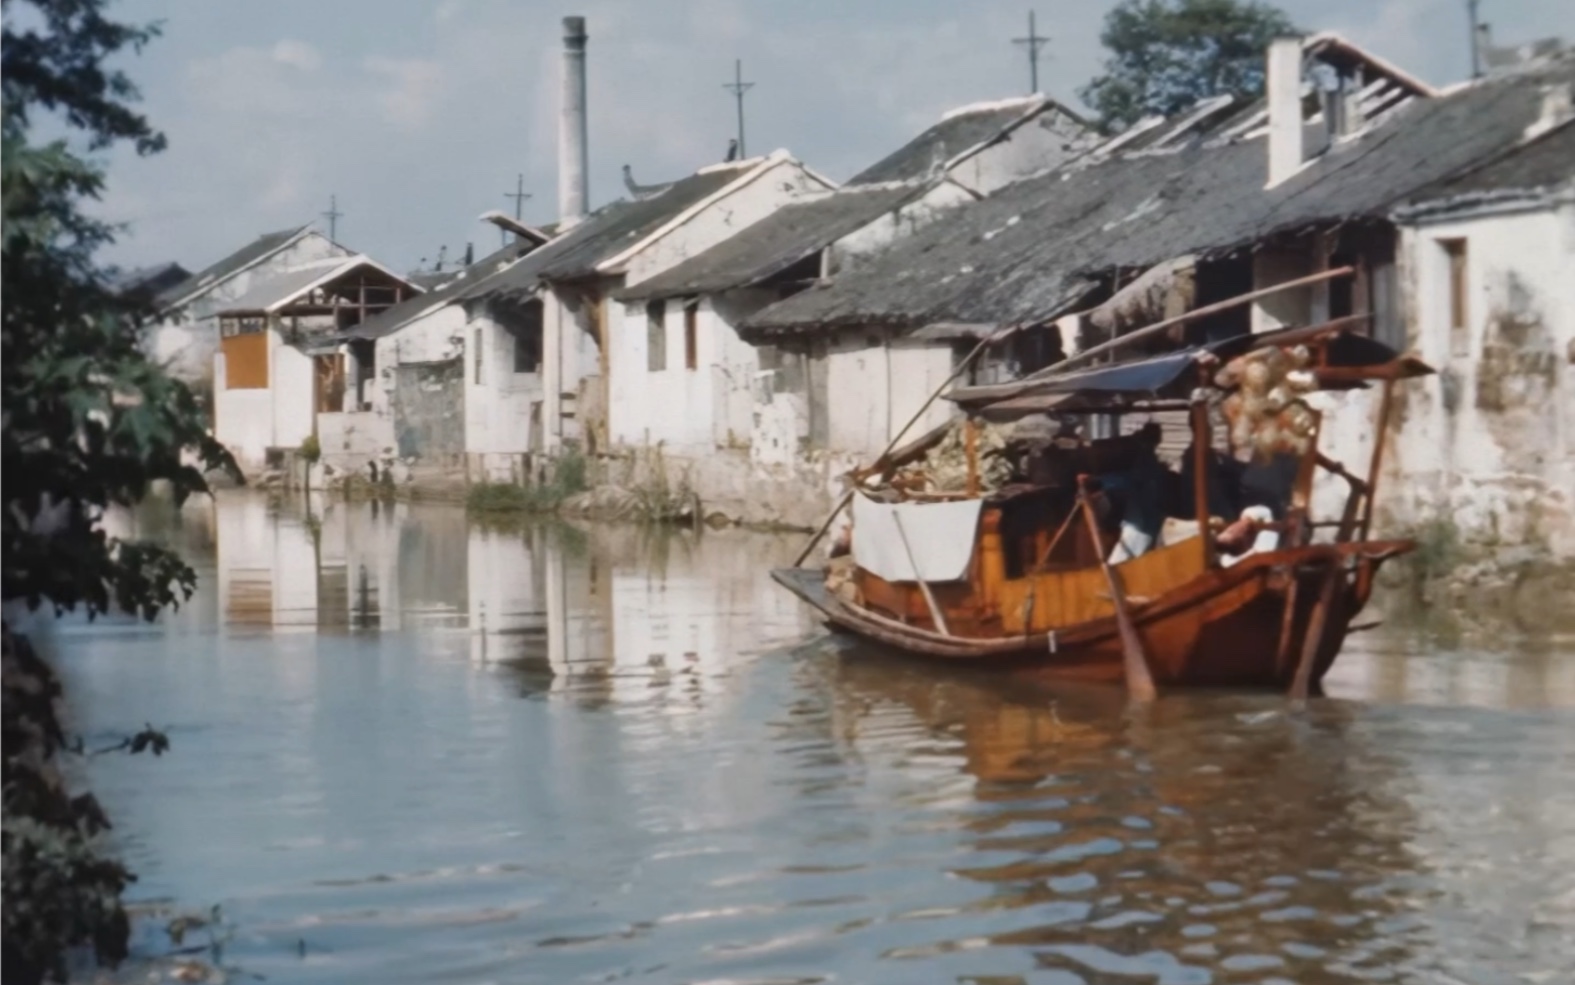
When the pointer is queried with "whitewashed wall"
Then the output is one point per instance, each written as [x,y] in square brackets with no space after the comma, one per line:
[188,341]
[250,421]
[881,233]
[1047,141]
[1490,441]
[771,188]
[707,406]
[875,386]
[685,409]
[570,357]
[502,407]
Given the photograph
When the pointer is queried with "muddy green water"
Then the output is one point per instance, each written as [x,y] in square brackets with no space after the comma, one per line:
[408,748]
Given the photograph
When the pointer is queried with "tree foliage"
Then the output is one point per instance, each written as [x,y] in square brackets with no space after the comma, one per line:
[88,423]
[1167,54]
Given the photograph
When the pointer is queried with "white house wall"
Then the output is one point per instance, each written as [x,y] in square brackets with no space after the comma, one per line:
[502,407]
[1489,442]
[874,387]
[881,233]
[1048,140]
[189,339]
[250,421]
[691,410]
[782,183]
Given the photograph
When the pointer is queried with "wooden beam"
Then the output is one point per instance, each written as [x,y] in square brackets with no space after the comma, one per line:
[1149,331]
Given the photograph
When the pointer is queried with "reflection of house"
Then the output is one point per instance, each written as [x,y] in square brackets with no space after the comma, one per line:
[281,363]
[186,334]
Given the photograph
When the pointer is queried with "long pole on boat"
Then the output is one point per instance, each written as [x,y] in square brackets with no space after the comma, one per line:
[1148,331]
[962,367]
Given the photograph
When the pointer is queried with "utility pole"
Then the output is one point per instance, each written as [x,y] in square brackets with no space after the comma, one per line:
[738,87]
[333,215]
[519,195]
[1033,43]
[1476,33]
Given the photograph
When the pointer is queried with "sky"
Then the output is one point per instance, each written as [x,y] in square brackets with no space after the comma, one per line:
[418,115]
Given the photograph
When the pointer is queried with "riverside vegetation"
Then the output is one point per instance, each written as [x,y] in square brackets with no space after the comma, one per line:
[89,423]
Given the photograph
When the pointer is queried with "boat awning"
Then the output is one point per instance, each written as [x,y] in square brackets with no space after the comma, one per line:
[1342,359]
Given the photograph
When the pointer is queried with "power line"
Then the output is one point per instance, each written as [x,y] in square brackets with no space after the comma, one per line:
[738,87]
[1033,42]
[333,215]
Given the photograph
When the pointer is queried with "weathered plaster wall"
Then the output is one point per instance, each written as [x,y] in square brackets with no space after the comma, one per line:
[503,413]
[1047,141]
[874,385]
[429,411]
[688,409]
[189,339]
[571,365]
[1489,442]
[876,236]
[743,206]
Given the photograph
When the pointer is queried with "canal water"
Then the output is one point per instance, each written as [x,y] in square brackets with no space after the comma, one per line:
[412,748]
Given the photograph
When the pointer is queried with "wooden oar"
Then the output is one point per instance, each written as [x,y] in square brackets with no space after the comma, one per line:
[1315,627]
[1140,683]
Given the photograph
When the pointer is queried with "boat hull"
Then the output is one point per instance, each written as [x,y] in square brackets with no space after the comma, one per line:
[1241,626]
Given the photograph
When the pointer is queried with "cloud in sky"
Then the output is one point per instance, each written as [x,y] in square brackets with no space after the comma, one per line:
[418,116]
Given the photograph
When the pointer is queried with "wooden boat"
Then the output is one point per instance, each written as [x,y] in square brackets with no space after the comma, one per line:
[1264,598]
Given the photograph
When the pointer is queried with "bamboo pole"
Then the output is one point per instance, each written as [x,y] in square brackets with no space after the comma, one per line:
[1202,445]
[1149,331]
[842,504]
[1140,684]
[962,367]
[1378,456]
[924,587]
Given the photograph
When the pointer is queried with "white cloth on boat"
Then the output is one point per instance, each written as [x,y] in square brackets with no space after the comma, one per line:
[941,535]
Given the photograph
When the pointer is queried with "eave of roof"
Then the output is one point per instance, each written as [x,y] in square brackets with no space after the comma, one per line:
[245,258]
[1026,252]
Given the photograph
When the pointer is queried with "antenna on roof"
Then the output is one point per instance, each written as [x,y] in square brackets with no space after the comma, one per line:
[333,215]
[1477,28]
[1033,42]
[442,256]
[738,87]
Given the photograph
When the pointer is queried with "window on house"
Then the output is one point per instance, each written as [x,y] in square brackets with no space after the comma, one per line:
[656,336]
[527,338]
[692,335]
[478,357]
[1455,255]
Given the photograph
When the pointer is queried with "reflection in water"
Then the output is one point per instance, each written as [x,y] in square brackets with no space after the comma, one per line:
[408,748]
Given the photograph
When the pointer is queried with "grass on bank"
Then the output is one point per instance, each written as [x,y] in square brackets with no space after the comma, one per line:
[566,479]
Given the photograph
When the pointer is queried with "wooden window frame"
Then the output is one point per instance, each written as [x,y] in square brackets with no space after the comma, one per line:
[692,335]
[656,336]
[480,335]
[1457,270]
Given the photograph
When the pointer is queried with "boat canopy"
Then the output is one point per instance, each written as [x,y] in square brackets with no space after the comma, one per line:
[1341,359]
